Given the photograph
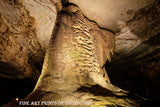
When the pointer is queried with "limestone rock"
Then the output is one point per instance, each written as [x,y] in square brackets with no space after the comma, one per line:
[44,13]
[25,32]
[72,69]
[143,26]
[138,47]
[111,14]
[19,45]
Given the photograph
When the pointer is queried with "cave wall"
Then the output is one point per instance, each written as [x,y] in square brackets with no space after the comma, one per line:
[19,44]
[111,14]
[24,38]
[26,27]
[44,13]
[136,59]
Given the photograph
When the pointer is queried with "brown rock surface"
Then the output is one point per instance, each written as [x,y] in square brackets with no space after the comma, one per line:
[19,46]
[44,13]
[72,69]
[21,54]
[138,47]
[111,14]
[25,32]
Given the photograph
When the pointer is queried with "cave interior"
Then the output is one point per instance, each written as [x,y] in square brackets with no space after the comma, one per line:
[25,31]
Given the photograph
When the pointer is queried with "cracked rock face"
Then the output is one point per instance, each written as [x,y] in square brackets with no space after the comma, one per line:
[19,44]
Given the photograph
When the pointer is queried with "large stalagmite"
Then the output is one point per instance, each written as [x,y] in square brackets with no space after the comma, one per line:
[74,62]
[74,66]
[75,55]
[78,51]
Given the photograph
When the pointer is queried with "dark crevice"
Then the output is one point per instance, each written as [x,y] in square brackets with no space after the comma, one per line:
[96,90]
[134,71]
[14,88]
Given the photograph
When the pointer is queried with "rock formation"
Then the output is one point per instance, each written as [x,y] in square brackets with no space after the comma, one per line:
[74,61]
[19,44]
[78,40]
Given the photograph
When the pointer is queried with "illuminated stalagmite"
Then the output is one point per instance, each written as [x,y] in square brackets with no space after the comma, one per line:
[77,52]
[81,43]
[74,61]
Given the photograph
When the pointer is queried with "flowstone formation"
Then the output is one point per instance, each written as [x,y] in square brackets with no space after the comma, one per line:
[73,66]
[78,51]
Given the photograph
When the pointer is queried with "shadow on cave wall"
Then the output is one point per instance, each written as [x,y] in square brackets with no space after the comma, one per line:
[138,71]
[11,86]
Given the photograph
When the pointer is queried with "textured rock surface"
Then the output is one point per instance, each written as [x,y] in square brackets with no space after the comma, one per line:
[22,45]
[138,47]
[25,30]
[143,26]
[111,14]
[21,54]
[44,13]
[72,69]
[78,48]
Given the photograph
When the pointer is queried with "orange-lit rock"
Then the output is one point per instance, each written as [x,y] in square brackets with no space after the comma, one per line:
[25,32]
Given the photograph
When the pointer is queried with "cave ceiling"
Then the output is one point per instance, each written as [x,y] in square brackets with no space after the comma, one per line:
[111,14]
